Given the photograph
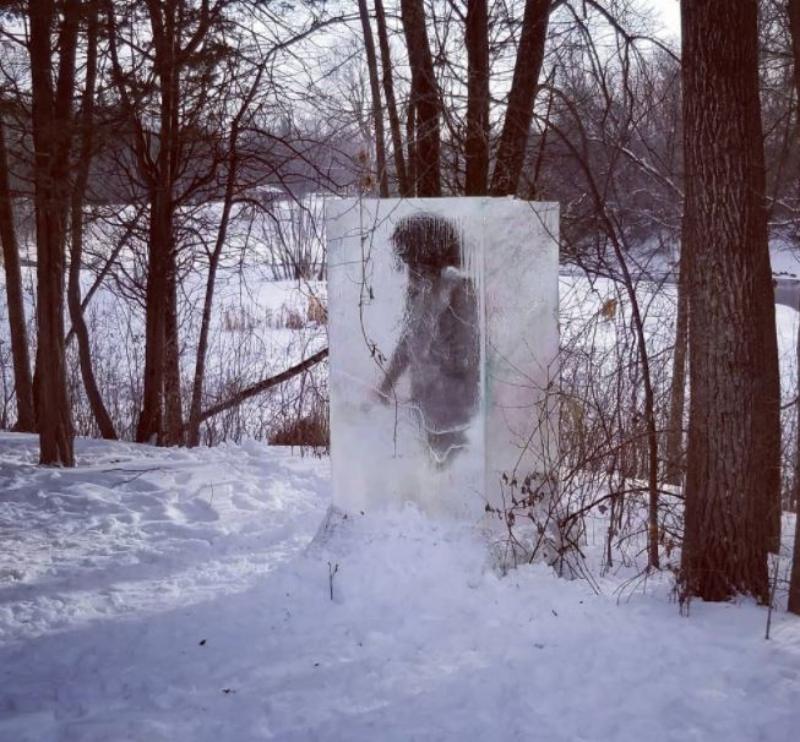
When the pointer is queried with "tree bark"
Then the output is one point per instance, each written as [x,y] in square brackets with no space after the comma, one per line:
[377,107]
[151,419]
[195,411]
[52,121]
[476,145]
[391,103]
[23,383]
[412,149]
[732,481]
[425,100]
[794,582]
[161,417]
[101,416]
[519,113]
[173,410]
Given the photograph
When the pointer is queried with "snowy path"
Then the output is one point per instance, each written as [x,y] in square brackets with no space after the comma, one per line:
[136,604]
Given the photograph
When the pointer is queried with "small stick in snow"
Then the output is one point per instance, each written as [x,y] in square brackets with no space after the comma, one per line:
[776,560]
[332,570]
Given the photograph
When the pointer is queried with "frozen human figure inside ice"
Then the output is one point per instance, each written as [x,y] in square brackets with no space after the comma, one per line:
[439,344]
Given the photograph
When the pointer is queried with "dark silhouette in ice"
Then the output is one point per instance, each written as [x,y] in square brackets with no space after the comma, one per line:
[440,340]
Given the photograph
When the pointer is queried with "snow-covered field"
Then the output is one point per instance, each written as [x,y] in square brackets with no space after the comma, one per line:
[176,595]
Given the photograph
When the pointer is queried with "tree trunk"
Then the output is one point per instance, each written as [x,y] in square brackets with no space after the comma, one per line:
[173,412]
[391,103]
[52,120]
[23,384]
[732,481]
[794,582]
[412,149]
[476,145]
[519,113]
[674,455]
[161,418]
[101,416]
[151,419]
[424,99]
[195,412]
[377,107]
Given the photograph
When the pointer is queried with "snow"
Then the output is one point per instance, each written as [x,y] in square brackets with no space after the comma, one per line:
[156,594]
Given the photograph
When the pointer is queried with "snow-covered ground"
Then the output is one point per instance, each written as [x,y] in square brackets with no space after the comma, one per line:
[173,595]
[176,595]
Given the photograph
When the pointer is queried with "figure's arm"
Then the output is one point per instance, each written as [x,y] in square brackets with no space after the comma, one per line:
[397,364]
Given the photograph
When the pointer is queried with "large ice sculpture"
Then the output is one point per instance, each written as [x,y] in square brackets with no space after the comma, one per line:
[443,341]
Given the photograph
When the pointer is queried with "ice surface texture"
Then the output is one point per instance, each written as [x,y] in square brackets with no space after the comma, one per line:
[444,335]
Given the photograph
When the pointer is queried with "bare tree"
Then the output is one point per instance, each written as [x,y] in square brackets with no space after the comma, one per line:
[182,56]
[52,131]
[424,103]
[86,130]
[391,103]
[476,142]
[375,91]
[232,182]
[519,112]
[23,383]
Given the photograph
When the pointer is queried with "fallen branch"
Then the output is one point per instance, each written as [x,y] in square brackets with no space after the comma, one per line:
[264,385]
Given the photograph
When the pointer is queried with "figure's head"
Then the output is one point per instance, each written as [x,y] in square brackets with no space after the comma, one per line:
[426,243]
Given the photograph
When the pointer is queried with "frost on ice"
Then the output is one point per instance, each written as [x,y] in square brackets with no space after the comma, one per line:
[443,336]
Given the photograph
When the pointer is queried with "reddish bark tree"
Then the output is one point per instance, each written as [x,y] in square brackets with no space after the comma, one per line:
[23,383]
[519,112]
[86,131]
[391,103]
[476,144]
[425,103]
[161,396]
[178,30]
[375,92]
[52,132]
